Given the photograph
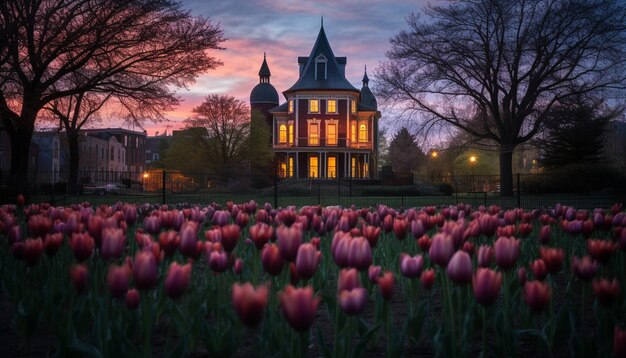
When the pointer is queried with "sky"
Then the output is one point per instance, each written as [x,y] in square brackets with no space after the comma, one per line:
[286,29]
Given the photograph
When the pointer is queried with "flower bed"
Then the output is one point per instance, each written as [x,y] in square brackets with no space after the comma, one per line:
[329,281]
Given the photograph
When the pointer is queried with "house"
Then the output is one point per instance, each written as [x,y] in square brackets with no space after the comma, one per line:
[49,162]
[155,147]
[133,144]
[326,128]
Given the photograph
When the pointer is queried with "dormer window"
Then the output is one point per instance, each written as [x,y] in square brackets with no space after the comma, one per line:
[290,106]
[331,106]
[321,70]
[314,106]
[353,106]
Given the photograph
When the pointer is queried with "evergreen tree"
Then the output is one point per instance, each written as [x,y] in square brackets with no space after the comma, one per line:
[259,150]
[405,155]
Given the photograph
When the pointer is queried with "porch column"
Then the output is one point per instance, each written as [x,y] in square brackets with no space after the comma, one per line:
[297,166]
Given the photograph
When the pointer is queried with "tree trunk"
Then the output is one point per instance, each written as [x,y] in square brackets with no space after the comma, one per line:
[20,155]
[506,171]
[72,142]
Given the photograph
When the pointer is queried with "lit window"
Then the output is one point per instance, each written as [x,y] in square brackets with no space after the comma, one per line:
[332,167]
[331,106]
[365,169]
[290,106]
[362,133]
[331,134]
[353,106]
[291,167]
[313,167]
[282,133]
[314,134]
[282,169]
[291,134]
[314,105]
[353,167]
[353,132]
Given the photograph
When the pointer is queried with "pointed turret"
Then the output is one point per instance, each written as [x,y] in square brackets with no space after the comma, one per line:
[264,72]
[367,97]
[264,92]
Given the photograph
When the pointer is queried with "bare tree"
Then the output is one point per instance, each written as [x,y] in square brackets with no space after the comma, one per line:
[225,124]
[52,49]
[507,62]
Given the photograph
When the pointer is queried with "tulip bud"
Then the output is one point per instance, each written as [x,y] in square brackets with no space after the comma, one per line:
[249,303]
[272,260]
[177,279]
[82,246]
[145,270]
[118,278]
[238,267]
[132,299]
[113,241]
[352,302]
[359,253]
[230,237]
[79,276]
[606,291]
[385,284]
[553,258]
[537,295]
[373,272]
[32,251]
[299,306]
[441,249]
[459,268]
[539,269]
[411,267]
[486,284]
[307,261]
[507,250]
[427,278]
[289,240]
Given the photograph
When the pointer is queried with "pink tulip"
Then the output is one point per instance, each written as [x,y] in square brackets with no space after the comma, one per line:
[132,299]
[606,291]
[373,272]
[539,269]
[118,278]
[260,234]
[249,303]
[145,270]
[230,237]
[411,267]
[307,260]
[553,257]
[348,279]
[584,268]
[485,255]
[79,276]
[486,284]
[507,250]
[352,302]
[177,279]
[359,254]
[82,246]
[289,239]
[537,295]
[459,268]
[272,260]
[113,242]
[299,306]
[441,249]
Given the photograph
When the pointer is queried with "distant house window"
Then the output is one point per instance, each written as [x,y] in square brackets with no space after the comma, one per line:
[282,169]
[332,167]
[291,134]
[314,134]
[353,167]
[155,157]
[353,106]
[331,134]
[313,167]
[362,133]
[290,106]
[282,133]
[112,152]
[314,106]
[331,106]
[320,68]
[291,167]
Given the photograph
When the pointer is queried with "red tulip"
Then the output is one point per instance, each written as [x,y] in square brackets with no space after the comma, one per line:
[218,260]
[238,267]
[242,219]
[507,250]
[521,275]
[584,268]
[539,269]
[32,251]
[230,237]
[177,279]
[262,216]
[307,260]
[553,258]
[488,224]
[260,234]
[79,276]
[348,279]
[619,342]
[145,270]
[427,278]
[537,295]
[400,227]
[459,268]
[486,284]
[506,231]
[289,239]
[299,306]
[39,225]
[524,229]
[14,233]
[132,299]
[601,250]
[424,243]
[441,249]
[249,303]
[52,243]
[169,241]
[317,242]
[82,246]
[385,283]
[606,291]
[271,259]
[340,249]
[411,266]
[112,245]
[485,255]
[20,200]
[544,234]
[189,240]
[359,254]
[118,278]
[373,272]
[388,223]
[352,302]
[371,233]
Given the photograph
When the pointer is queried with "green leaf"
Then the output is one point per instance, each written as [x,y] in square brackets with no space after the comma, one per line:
[364,340]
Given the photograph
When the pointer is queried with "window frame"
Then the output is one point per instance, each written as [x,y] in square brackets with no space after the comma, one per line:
[317,101]
[353,106]
[333,124]
[282,133]
[311,139]
[290,106]
[317,167]
[328,101]
[331,173]
[362,133]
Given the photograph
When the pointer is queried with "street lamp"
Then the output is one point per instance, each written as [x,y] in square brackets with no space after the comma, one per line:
[472,160]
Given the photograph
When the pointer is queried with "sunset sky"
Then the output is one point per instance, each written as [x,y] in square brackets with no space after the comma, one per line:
[286,29]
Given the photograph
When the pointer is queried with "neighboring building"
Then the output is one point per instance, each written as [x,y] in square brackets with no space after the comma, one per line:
[155,147]
[615,144]
[49,163]
[327,128]
[133,144]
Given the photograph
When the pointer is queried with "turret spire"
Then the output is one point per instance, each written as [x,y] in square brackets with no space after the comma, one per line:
[366,79]
[264,72]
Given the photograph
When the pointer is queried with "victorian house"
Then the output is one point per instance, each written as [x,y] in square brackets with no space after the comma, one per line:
[326,128]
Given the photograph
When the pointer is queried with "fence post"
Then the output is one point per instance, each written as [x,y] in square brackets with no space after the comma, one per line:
[163,187]
[275,192]
[519,198]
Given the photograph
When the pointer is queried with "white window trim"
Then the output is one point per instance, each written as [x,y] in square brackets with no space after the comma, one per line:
[336,123]
[318,105]
[336,106]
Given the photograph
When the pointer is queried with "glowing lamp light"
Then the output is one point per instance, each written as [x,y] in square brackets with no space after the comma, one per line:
[434,154]
[146,175]
[473,159]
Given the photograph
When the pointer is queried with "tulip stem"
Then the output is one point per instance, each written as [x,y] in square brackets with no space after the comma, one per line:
[336,338]
[388,327]
[506,311]
[582,310]
[484,350]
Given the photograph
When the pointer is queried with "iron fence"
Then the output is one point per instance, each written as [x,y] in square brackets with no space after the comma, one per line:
[171,187]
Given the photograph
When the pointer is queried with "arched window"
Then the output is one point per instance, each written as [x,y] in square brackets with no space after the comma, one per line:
[282,133]
[362,133]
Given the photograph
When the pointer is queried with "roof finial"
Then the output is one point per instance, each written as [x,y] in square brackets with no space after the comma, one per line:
[322,21]
[264,58]
[366,79]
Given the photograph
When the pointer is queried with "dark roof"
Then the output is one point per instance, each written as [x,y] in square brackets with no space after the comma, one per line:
[278,109]
[264,93]
[265,69]
[335,80]
[365,108]
[367,97]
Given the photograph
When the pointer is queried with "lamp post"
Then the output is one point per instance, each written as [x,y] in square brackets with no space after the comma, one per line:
[472,160]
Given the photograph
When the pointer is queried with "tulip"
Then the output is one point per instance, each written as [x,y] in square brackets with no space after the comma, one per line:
[601,250]
[619,342]
[359,254]
[441,249]
[17,249]
[317,242]
[289,239]
[388,222]
[521,275]
[486,284]
[271,259]
[299,306]
[39,225]
[385,284]
[485,255]
[15,234]
[584,268]
[230,237]
[145,270]
[507,250]
[553,258]
[373,272]
[411,267]
[340,249]
[249,302]
[82,246]
[287,217]
[218,260]
[242,219]
[400,227]
[169,241]
[537,295]
[238,267]
[352,302]
[348,279]
[424,243]
[262,216]
[506,231]
[188,240]
[459,268]
[544,234]
[307,260]
[539,269]
[371,233]
[118,278]
[113,241]
[260,234]
[524,229]
[417,228]
[427,278]
[32,251]
[488,224]
[132,299]
[20,200]
[79,276]
[177,279]
[606,291]
[52,243]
